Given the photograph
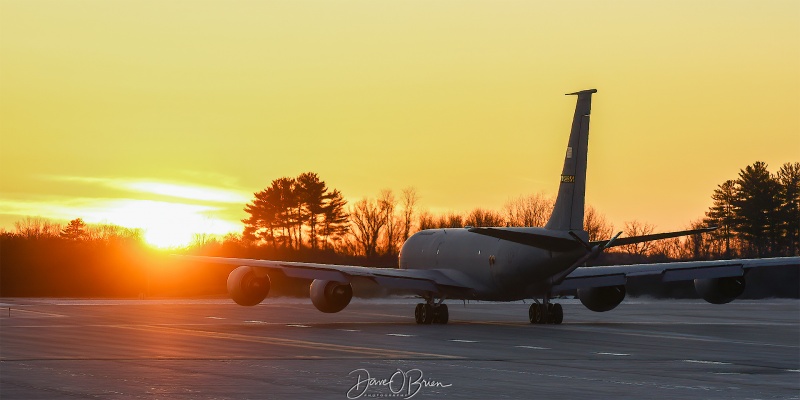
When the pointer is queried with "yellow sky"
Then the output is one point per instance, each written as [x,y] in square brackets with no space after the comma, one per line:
[112,104]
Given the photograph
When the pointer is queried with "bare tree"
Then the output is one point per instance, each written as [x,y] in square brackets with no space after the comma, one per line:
[37,228]
[392,232]
[426,220]
[531,210]
[668,248]
[596,225]
[636,228]
[111,232]
[483,217]
[450,220]
[697,246]
[368,219]
[409,202]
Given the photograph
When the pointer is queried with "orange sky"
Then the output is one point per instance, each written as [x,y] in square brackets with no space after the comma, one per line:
[171,114]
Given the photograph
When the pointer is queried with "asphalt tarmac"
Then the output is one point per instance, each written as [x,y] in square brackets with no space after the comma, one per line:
[286,349]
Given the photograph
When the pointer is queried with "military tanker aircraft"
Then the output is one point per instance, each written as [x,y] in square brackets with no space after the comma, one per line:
[505,264]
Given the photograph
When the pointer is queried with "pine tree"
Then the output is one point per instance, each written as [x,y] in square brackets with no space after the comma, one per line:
[311,193]
[334,217]
[722,214]
[757,205]
[75,230]
[789,179]
[280,213]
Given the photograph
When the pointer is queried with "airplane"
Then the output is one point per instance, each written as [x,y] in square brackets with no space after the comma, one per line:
[503,263]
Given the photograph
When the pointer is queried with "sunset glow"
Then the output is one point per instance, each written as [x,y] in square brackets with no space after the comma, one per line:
[168,116]
[165,224]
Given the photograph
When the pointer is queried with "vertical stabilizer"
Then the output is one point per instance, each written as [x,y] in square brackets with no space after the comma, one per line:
[568,210]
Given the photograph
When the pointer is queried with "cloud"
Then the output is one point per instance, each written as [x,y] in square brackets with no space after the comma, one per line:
[169,212]
[163,188]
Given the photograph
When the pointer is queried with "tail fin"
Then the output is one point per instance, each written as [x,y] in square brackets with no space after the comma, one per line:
[568,210]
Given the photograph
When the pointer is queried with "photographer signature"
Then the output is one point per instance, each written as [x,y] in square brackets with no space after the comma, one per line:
[405,384]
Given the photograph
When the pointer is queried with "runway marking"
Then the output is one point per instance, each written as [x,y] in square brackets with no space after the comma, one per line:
[14,311]
[215,318]
[349,330]
[793,370]
[305,308]
[626,383]
[533,347]
[371,352]
[677,337]
[254,322]
[298,326]
[463,341]
[612,354]
[707,362]
[399,334]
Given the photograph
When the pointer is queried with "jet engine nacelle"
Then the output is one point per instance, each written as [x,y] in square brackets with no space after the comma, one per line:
[720,290]
[246,287]
[602,299]
[330,297]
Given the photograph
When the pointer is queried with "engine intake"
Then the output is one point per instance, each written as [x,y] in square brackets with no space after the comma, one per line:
[720,290]
[246,288]
[330,297]
[602,299]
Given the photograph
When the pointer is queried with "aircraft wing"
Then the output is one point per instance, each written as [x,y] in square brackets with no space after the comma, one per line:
[440,281]
[613,275]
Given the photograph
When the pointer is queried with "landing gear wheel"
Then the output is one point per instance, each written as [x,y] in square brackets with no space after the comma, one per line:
[440,314]
[556,314]
[550,313]
[536,313]
[426,314]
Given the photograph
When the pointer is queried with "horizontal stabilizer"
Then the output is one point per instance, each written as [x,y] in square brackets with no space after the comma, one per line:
[647,238]
[527,237]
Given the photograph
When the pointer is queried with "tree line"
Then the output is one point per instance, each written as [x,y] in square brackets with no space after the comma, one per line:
[302,219]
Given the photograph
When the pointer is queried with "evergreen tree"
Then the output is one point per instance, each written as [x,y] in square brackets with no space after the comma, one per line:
[273,214]
[334,217]
[789,179]
[757,204]
[75,230]
[722,214]
[262,223]
[311,193]
[280,213]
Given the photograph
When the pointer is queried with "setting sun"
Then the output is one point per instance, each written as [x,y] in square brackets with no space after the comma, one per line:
[168,237]
[164,224]
[197,108]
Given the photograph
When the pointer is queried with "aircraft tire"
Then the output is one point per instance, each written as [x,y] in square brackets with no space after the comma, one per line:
[548,316]
[557,314]
[440,314]
[418,313]
[535,314]
[426,314]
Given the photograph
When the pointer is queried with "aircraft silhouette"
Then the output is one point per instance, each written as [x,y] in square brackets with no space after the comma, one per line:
[505,264]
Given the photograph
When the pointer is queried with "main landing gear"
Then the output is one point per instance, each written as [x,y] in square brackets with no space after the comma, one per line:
[431,313]
[546,313]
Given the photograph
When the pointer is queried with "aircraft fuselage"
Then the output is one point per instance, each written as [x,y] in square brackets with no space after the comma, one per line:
[511,271]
